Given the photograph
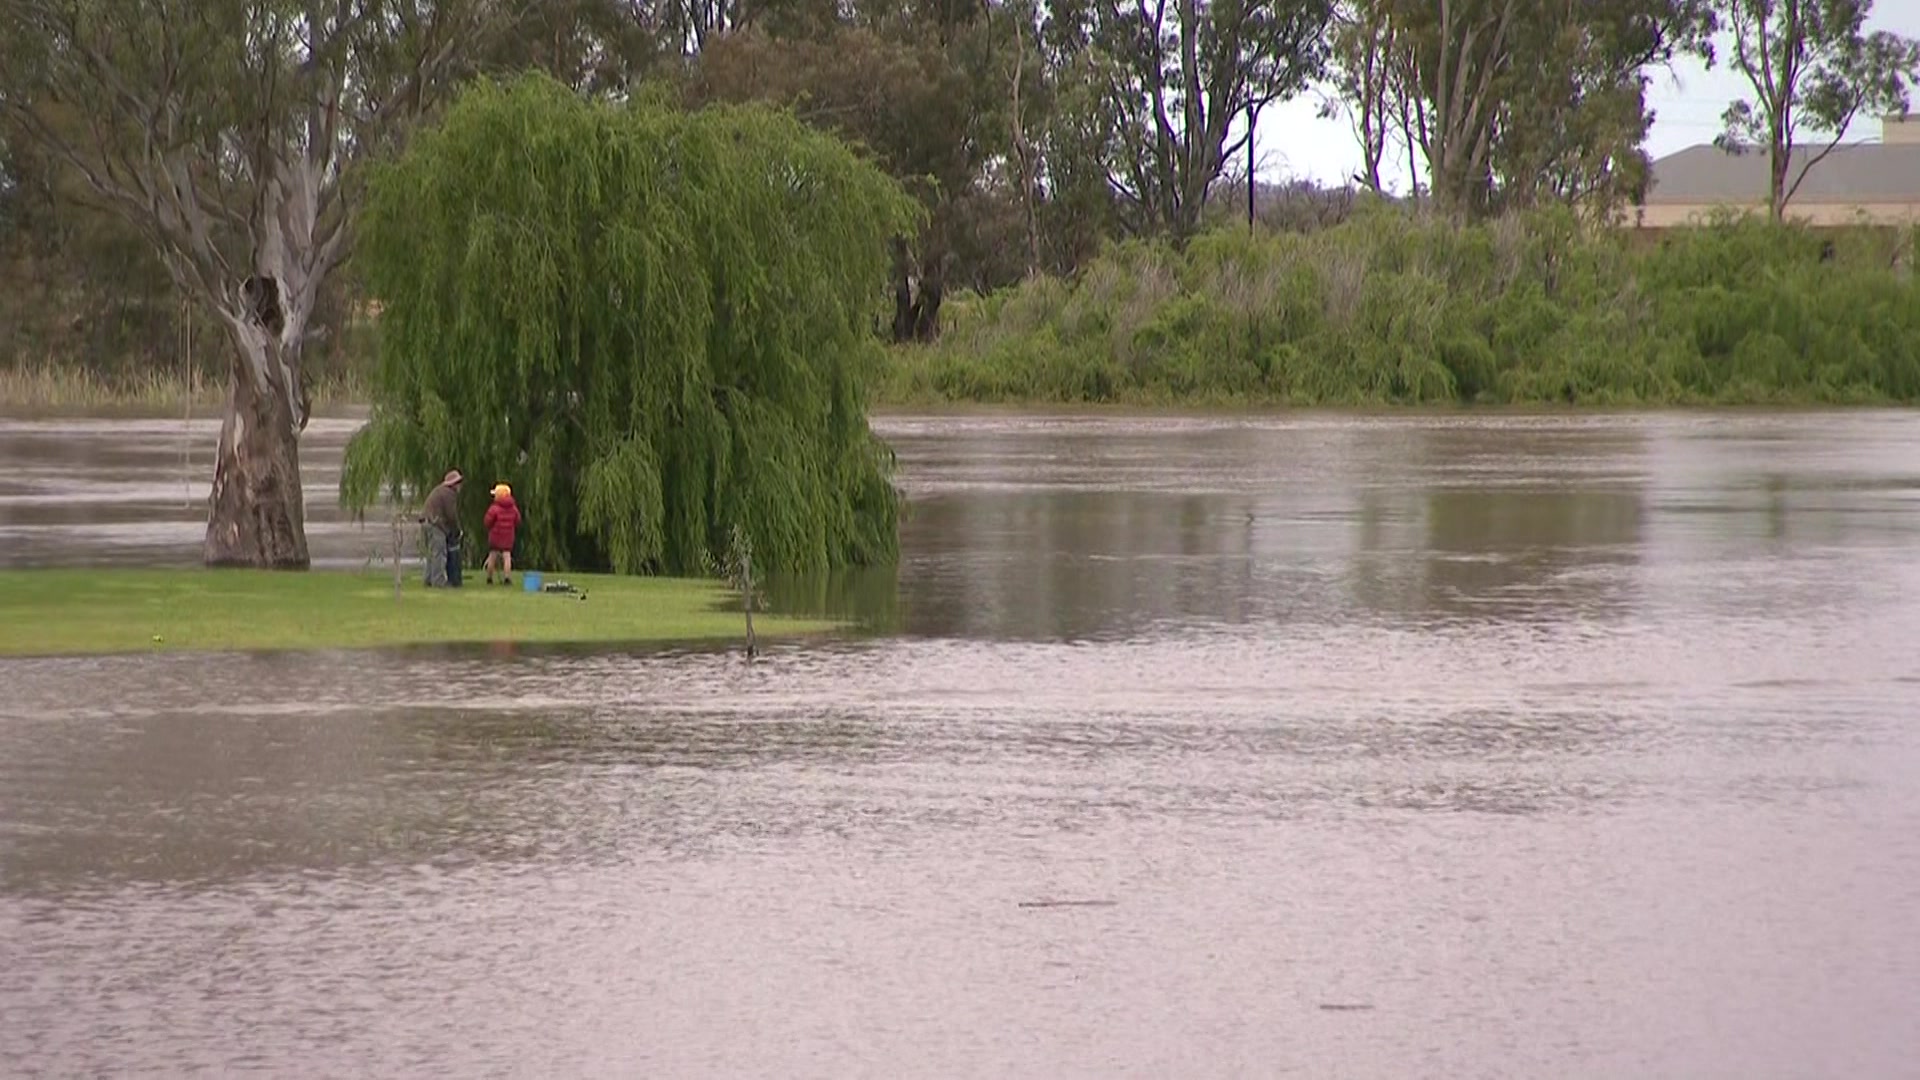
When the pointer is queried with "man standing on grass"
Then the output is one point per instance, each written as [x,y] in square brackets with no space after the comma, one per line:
[442,517]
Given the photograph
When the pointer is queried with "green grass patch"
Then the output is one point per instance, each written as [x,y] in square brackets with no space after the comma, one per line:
[69,612]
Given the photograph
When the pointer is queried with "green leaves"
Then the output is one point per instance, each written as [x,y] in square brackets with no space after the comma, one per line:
[1813,68]
[620,502]
[1511,105]
[1389,307]
[1176,83]
[654,324]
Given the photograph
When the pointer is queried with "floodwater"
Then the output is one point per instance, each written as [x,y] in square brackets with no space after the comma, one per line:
[1320,746]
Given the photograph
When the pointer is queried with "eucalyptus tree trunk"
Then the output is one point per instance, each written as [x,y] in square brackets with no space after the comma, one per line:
[1026,159]
[1473,49]
[256,514]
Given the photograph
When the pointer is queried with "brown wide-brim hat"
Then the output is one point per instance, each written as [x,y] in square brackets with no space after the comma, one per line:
[453,477]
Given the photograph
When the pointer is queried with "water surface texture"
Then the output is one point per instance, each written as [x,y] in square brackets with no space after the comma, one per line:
[1302,746]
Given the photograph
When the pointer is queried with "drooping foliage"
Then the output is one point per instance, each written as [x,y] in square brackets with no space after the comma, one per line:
[654,324]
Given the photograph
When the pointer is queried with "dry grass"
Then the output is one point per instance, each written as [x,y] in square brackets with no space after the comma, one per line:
[47,389]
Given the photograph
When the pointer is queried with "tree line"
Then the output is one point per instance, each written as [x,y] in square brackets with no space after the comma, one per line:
[227,139]
[1031,133]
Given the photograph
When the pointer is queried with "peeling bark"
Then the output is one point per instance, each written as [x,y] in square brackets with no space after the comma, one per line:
[1026,159]
[256,514]
[906,288]
[1473,50]
[917,295]
[223,133]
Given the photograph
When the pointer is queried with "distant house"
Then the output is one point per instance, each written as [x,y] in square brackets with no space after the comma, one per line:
[1858,183]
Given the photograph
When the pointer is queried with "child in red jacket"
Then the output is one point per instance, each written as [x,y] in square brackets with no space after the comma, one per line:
[503,517]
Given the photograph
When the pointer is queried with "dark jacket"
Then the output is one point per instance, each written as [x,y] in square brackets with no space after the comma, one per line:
[503,517]
[443,509]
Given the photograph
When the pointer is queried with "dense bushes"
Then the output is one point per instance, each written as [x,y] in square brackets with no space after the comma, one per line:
[1393,308]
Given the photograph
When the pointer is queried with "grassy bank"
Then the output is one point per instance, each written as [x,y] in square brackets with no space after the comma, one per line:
[1388,308]
[63,612]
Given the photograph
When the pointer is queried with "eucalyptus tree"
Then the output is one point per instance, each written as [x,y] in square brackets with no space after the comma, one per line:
[1813,68]
[1376,85]
[1180,85]
[228,133]
[1574,130]
[1511,102]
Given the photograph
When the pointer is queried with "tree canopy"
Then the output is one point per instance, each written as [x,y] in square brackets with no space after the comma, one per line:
[225,134]
[1508,104]
[654,324]
[1812,67]
[1173,81]
[1031,134]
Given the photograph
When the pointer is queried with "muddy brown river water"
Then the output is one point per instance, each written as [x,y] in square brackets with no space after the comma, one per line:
[1310,745]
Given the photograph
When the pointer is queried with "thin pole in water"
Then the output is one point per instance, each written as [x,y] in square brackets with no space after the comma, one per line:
[753,645]
[186,418]
[396,555]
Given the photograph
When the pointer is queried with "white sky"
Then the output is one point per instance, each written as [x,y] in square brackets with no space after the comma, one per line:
[1687,103]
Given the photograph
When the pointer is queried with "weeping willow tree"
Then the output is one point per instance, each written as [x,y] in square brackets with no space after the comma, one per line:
[656,325]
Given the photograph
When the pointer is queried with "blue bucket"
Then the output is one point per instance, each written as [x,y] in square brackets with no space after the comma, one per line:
[530,580]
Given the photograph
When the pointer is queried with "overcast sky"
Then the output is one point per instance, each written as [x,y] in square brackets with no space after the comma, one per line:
[1295,143]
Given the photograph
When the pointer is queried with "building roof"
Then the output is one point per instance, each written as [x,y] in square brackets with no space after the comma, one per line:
[1853,173]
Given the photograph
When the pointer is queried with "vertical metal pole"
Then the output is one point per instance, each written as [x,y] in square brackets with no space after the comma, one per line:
[1250,160]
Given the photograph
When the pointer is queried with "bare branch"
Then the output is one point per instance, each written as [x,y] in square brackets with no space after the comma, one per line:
[1839,132]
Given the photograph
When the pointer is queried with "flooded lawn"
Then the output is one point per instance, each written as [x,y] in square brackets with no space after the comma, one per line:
[1488,746]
